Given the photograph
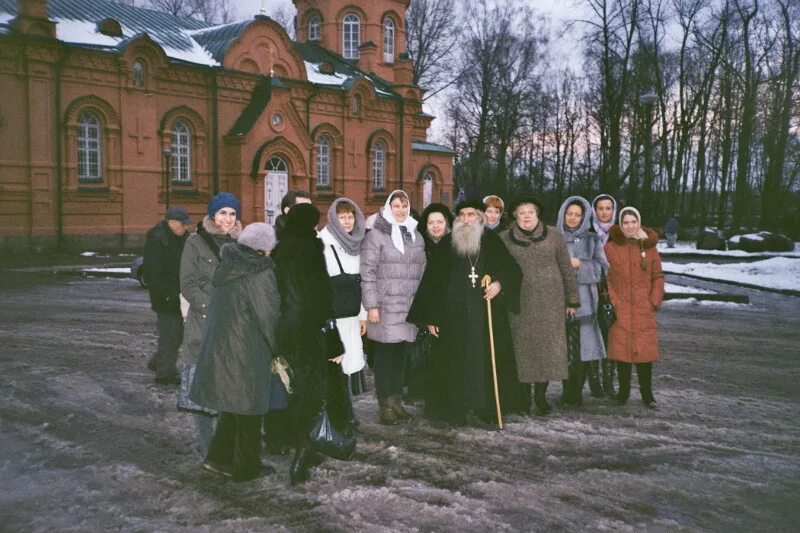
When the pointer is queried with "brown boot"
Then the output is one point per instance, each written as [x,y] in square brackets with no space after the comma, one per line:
[387,417]
[396,402]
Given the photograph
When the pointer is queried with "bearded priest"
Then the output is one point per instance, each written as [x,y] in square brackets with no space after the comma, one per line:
[451,303]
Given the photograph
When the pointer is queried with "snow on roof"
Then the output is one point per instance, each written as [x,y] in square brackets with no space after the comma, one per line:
[753,237]
[85,32]
[315,76]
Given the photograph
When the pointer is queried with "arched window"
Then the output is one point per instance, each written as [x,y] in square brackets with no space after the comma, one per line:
[314,24]
[323,161]
[181,152]
[276,164]
[137,73]
[378,166]
[89,148]
[352,36]
[388,40]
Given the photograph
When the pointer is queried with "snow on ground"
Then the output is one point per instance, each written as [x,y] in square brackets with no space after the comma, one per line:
[689,248]
[686,289]
[773,273]
[109,270]
[89,443]
[704,303]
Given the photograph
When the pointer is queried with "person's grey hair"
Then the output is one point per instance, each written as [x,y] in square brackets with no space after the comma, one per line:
[258,236]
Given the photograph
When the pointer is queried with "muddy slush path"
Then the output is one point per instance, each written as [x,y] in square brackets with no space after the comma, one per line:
[89,443]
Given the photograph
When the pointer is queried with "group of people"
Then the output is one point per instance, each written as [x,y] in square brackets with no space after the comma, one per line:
[481,296]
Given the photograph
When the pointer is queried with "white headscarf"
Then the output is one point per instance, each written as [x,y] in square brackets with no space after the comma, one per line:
[409,223]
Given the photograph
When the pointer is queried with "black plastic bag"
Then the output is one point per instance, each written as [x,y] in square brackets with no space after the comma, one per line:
[329,435]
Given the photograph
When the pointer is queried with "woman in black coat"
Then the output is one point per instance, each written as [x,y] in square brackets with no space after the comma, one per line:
[306,306]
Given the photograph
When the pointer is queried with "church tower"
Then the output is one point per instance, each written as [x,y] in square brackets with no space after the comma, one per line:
[370,33]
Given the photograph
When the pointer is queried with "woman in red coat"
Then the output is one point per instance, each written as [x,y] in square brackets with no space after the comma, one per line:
[636,288]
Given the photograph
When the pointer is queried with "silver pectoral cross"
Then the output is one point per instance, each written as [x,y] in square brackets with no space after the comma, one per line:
[473,276]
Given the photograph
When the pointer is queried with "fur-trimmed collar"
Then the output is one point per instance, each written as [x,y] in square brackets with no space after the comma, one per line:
[615,232]
[211,228]
[238,261]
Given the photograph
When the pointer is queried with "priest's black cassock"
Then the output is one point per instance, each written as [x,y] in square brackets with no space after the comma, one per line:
[461,371]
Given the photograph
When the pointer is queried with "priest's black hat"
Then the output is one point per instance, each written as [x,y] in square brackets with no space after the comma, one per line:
[526,199]
[474,204]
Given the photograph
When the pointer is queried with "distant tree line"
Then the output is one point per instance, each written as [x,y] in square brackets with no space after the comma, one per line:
[681,106]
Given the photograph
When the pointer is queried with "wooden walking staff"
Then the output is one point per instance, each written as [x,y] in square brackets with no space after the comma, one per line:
[485,283]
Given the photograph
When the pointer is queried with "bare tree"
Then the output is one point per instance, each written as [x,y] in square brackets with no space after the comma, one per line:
[213,11]
[433,28]
[285,17]
[782,88]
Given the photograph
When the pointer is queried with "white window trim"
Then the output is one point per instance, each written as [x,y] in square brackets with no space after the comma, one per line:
[314,28]
[324,161]
[351,25]
[181,152]
[379,166]
[90,142]
[388,40]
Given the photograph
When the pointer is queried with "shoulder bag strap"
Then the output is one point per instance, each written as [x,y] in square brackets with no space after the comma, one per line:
[337,258]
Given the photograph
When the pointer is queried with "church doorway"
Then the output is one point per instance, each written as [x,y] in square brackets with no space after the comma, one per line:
[276,185]
[427,190]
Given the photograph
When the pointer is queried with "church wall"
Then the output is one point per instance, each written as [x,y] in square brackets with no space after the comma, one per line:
[116,211]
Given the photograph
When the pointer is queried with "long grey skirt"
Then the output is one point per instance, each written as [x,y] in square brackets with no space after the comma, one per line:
[592,348]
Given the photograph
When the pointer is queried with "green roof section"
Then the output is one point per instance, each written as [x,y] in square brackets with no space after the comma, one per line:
[312,52]
[424,146]
[262,93]
[161,27]
[218,39]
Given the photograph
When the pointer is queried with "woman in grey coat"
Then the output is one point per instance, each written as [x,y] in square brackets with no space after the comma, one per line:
[548,293]
[392,263]
[234,373]
[589,264]
[199,260]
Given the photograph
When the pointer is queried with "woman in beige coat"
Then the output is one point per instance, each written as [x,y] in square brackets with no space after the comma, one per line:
[549,291]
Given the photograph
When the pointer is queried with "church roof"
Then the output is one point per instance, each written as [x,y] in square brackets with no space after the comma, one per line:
[424,146]
[182,38]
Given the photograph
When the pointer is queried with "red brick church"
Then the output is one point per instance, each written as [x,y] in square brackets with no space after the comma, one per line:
[110,112]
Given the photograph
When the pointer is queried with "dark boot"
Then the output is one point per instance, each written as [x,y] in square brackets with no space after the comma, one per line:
[299,471]
[593,369]
[608,378]
[645,373]
[540,398]
[396,403]
[624,382]
[387,415]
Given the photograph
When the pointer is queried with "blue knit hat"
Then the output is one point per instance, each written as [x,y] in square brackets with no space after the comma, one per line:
[223,199]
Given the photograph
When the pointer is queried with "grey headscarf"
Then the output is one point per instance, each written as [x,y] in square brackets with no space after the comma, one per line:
[583,227]
[351,242]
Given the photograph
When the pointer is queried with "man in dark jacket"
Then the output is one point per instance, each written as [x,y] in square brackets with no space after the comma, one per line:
[162,263]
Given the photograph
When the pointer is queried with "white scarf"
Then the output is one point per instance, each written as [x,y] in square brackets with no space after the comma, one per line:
[409,223]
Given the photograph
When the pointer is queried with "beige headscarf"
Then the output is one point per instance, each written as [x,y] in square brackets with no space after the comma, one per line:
[637,233]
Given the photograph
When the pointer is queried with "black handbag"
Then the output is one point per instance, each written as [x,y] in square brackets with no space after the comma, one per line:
[606,314]
[325,436]
[330,341]
[346,291]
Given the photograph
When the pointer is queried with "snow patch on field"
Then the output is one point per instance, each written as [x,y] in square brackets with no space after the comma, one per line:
[774,273]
